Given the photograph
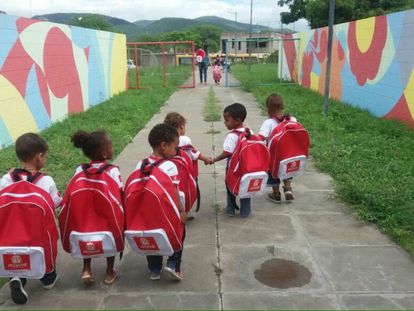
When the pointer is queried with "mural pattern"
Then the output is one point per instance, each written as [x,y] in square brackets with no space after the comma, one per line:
[49,70]
[372,63]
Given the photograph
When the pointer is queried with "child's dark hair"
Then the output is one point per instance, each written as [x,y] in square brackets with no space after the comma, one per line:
[28,145]
[175,120]
[274,103]
[236,111]
[162,133]
[91,143]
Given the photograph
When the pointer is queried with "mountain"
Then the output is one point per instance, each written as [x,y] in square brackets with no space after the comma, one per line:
[130,29]
[154,27]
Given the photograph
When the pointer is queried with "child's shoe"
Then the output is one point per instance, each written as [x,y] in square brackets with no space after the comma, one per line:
[49,280]
[288,194]
[18,294]
[274,197]
[175,275]
[155,276]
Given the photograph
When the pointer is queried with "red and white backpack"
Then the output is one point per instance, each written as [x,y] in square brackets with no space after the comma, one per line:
[153,225]
[28,232]
[187,183]
[247,170]
[289,148]
[92,217]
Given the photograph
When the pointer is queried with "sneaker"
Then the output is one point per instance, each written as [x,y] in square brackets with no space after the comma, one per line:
[274,197]
[175,275]
[50,282]
[191,215]
[229,214]
[18,294]
[155,276]
[288,194]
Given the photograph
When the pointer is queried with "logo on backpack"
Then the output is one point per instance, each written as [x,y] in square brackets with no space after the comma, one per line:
[16,262]
[255,185]
[89,248]
[293,166]
[147,243]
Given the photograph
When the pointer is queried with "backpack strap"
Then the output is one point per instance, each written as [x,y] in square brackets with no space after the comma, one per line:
[30,177]
[86,167]
[147,167]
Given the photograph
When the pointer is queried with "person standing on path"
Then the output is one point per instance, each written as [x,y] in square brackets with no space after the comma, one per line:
[202,60]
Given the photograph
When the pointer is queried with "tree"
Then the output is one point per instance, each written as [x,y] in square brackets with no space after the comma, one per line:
[210,36]
[316,11]
[182,36]
[93,21]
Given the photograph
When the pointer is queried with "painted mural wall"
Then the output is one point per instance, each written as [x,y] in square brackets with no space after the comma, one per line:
[49,70]
[372,63]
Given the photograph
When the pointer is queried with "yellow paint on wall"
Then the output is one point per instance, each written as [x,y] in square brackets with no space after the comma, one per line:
[314,81]
[13,109]
[409,94]
[364,33]
[118,64]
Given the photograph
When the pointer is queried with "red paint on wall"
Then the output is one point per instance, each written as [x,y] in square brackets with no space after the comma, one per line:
[60,69]
[365,65]
[307,64]
[22,23]
[401,112]
[17,66]
[44,90]
[290,54]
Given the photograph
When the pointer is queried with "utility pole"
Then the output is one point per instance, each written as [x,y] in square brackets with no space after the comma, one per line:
[250,36]
[329,56]
[236,44]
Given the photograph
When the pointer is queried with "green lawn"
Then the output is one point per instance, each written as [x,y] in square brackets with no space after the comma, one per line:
[370,159]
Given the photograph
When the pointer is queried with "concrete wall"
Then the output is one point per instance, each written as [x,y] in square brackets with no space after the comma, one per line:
[372,63]
[49,70]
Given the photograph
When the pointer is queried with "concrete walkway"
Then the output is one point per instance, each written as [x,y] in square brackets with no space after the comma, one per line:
[311,254]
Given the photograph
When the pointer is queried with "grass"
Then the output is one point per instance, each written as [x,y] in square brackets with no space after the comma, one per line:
[370,159]
[212,110]
[152,77]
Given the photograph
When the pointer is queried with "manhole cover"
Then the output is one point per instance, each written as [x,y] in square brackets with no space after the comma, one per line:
[282,273]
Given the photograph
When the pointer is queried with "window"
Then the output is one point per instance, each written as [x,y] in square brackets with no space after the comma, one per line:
[232,44]
[239,46]
[262,44]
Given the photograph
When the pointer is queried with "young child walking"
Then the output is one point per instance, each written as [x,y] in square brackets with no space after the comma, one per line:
[217,72]
[234,116]
[275,110]
[164,140]
[178,122]
[97,146]
[31,151]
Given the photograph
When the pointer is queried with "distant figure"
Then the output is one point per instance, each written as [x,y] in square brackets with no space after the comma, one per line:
[202,62]
[217,72]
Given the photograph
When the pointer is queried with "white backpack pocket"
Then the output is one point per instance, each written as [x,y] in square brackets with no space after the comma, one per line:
[92,244]
[149,242]
[24,262]
[291,167]
[253,184]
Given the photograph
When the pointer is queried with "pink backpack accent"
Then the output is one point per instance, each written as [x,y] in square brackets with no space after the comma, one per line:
[153,225]
[187,183]
[247,171]
[28,233]
[289,149]
[92,218]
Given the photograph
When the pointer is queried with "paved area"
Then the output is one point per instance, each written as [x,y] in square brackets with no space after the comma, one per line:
[311,254]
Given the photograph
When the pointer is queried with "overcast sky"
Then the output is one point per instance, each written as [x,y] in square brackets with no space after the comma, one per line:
[265,12]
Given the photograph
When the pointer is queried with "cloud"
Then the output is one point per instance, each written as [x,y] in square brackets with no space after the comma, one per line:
[265,12]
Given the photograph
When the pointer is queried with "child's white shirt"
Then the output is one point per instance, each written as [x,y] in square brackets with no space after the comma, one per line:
[45,182]
[269,125]
[113,172]
[167,167]
[230,142]
[193,153]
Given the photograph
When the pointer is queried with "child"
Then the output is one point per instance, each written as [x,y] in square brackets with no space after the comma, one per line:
[31,151]
[164,140]
[234,116]
[178,122]
[275,107]
[217,72]
[97,146]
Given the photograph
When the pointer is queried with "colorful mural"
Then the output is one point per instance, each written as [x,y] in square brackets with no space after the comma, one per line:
[49,70]
[372,63]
